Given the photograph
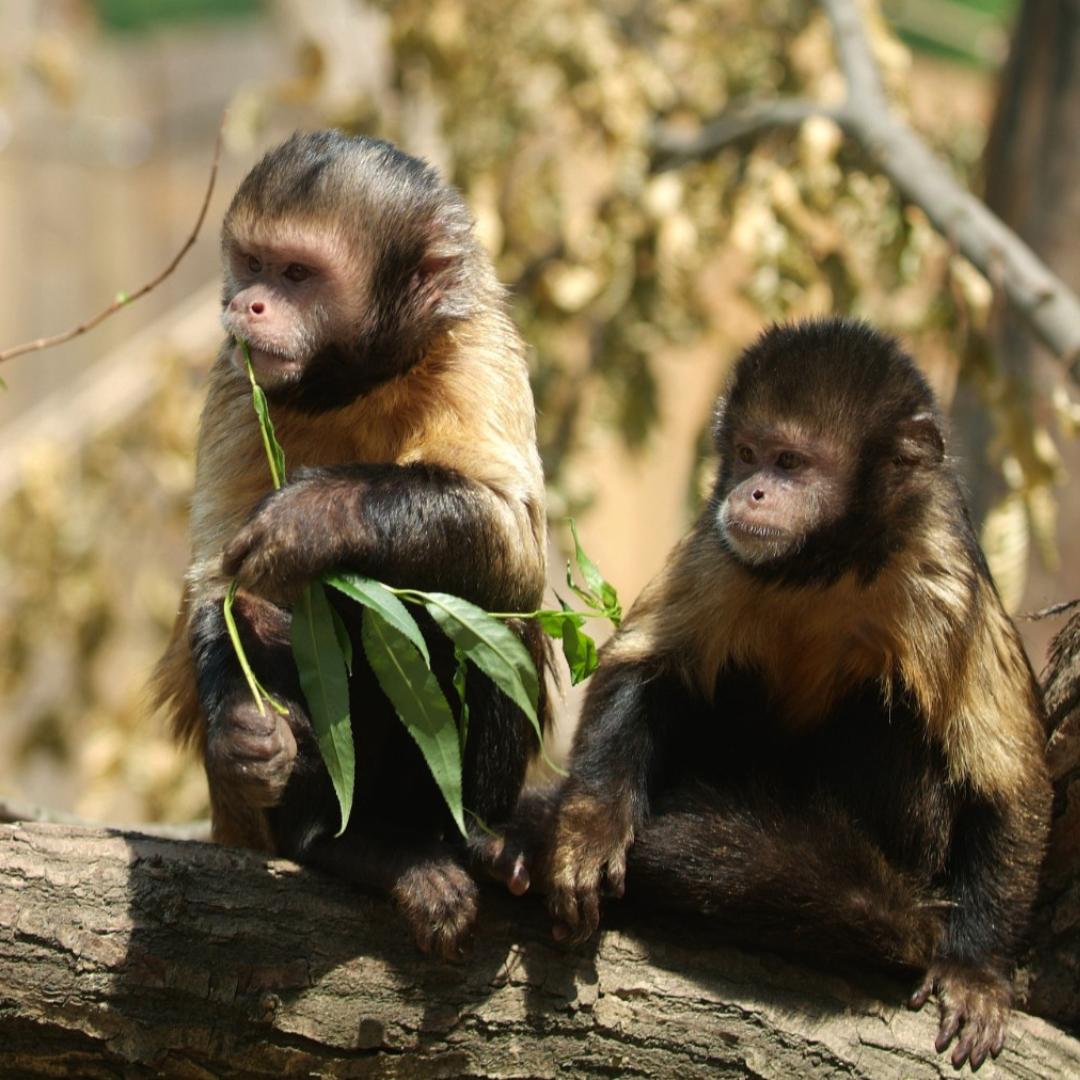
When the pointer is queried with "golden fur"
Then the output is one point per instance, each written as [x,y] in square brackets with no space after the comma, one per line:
[464,407]
[912,626]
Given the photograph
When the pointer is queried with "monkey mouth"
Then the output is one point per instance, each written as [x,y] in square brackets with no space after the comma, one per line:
[755,532]
[269,365]
[755,544]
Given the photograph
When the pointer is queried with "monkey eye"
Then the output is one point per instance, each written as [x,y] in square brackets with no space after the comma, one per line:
[254,264]
[746,454]
[788,460]
[297,272]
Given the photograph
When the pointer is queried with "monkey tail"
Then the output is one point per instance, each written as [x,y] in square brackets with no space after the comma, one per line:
[811,883]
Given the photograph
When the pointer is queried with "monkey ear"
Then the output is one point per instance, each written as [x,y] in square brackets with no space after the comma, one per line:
[431,280]
[432,266]
[919,441]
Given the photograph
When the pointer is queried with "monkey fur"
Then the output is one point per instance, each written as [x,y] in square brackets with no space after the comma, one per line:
[399,392]
[817,725]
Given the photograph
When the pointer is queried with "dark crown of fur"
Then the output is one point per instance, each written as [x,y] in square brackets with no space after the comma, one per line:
[830,374]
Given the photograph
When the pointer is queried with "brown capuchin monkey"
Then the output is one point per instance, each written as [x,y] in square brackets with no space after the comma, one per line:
[398,388]
[817,725]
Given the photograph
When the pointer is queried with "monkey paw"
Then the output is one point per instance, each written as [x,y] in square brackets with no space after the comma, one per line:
[439,901]
[291,538]
[251,755]
[519,857]
[591,840]
[974,1006]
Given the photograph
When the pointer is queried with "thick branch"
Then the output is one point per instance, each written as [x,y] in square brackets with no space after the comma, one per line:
[126,955]
[1049,307]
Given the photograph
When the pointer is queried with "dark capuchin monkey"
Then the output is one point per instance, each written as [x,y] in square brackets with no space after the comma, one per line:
[818,725]
[398,388]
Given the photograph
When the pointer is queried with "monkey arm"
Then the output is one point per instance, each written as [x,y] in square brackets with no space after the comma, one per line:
[417,526]
[621,748]
[991,880]
[250,753]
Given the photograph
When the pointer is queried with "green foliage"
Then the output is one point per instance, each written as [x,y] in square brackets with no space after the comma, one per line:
[419,701]
[323,655]
[398,655]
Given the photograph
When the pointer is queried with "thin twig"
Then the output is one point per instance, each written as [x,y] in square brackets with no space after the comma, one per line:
[1049,612]
[124,299]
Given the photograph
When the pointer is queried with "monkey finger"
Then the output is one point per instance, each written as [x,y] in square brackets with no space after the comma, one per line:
[921,994]
[518,881]
[969,1047]
[236,551]
[571,919]
[590,910]
[510,868]
[951,1016]
[616,875]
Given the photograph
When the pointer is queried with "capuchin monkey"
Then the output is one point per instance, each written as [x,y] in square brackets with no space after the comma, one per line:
[398,389]
[817,725]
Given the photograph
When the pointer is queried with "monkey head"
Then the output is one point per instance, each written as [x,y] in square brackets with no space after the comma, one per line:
[828,436]
[344,260]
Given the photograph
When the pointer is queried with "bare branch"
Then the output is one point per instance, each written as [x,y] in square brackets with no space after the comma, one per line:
[125,299]
[1050,308]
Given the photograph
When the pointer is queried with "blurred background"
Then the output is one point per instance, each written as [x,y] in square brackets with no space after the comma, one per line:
[634,287]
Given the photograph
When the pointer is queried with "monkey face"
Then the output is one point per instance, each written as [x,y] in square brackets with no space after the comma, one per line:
[781,488]
[280,299]
[347,263]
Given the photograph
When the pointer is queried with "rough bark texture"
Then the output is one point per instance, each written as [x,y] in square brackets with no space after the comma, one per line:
[124,955]
[1055,963]
[1032,168]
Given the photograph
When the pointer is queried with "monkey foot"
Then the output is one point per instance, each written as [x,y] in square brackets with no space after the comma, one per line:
[974,1010]
[439,901]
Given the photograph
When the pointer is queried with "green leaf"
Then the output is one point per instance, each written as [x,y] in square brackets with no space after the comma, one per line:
[580,652]
[324,679]
[461,671]
[341,632]
[600,595]
[258,691]
[578,647]
[274,454]
[374,594]
[419,702]
[493,647]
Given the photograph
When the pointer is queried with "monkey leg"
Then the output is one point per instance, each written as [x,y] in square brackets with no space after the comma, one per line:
[798,879]
[425,878]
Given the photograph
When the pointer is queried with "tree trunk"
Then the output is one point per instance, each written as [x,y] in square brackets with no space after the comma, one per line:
[1033,184]
[124,955]
[1055,963]
[1032,170]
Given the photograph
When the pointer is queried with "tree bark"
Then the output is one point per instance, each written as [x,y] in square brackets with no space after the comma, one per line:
[126,955]
[1054,965]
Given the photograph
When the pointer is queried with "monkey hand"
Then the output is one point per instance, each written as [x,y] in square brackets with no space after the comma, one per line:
[518,858]
[439,900]
[974,1009]
[294,535]
[591,840]
[250,755]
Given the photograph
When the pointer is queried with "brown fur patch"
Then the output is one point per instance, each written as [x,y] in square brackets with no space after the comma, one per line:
[926,623]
